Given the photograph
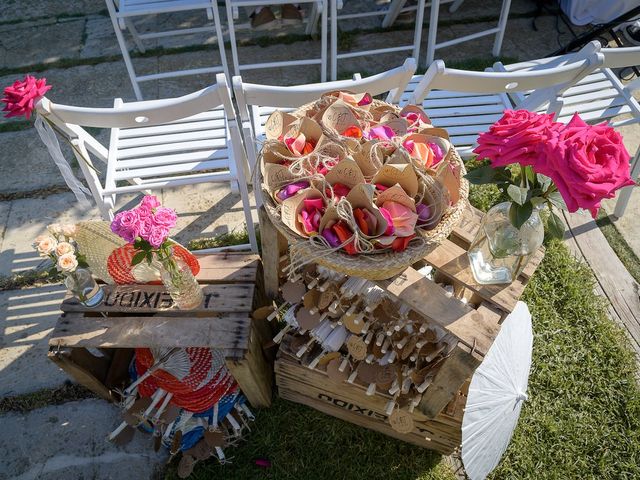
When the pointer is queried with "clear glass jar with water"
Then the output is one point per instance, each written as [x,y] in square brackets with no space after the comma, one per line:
[84,287]
[500,251]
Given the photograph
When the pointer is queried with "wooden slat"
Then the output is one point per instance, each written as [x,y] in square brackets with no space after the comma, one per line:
[227,267]
[163,139]
[428,298]
[172,169]
[201,155]
[135,299]
[252,373]
[172,148]
[171,128]
[270,254]
[450,378]
[451,260]
[617,284]
[81,374]
[229,332]
[364,421]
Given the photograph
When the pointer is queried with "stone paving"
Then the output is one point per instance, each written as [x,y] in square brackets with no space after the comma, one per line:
[77,40]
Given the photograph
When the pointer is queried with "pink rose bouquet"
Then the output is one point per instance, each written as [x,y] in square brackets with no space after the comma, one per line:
[564,166]
[147,226]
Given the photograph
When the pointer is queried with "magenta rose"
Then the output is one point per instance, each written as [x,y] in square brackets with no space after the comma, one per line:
[157,236]
[165,217]
[145,227]
[150,201]
[126,224]
[516,138]
[587,164]
[21,97]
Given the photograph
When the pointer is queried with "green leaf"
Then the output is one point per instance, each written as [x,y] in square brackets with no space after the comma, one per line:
[519,214]
[518,194]
[482,175]
[138,258]
[544,181]
[555,226]
[531,176]
[149,255]
[535,201]
[556,199]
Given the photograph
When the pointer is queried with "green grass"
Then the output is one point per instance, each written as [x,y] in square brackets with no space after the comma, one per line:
[582,420]
[304,444]
[43,398]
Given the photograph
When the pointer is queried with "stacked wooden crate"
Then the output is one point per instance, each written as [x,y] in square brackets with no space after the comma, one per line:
[95,346]
[453,301]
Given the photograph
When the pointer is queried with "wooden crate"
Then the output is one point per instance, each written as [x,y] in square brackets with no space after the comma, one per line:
[95,346]
[474,322]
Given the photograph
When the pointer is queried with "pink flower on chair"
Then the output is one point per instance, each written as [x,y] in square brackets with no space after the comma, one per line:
[21,97]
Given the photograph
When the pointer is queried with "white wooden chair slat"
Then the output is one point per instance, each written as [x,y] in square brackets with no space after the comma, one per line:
[467,111]
[462,101]
[451,121]
[172,182]
[218,124]
[171,138]
[163,152]
[176,158]
[164,170]
[178,147]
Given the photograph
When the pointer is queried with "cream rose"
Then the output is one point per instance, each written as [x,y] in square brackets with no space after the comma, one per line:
[67,262]
[55,229]
[46,245]
[69,230]
[63,248]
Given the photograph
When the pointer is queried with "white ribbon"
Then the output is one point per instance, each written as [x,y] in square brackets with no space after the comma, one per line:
[50,140]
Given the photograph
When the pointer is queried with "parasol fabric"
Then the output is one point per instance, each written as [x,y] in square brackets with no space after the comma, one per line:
[496,394]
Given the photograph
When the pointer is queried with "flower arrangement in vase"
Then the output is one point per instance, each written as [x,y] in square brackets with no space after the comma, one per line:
[147,228]
[540,164]
[59,246]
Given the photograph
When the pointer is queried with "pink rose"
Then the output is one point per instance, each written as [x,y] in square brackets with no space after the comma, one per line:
[157,236]
[21,97]
[145,227]
[586,163]
[517,137]
[150,201]
[165,217]
[126,225]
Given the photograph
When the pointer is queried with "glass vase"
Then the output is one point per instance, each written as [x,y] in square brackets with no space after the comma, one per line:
[84,287]
[500,251]
[180,283]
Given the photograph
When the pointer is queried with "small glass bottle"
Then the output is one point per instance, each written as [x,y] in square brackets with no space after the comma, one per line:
[84,287]
[500,251]
[180,283]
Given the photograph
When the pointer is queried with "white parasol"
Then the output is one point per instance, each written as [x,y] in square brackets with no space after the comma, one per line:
[496,394]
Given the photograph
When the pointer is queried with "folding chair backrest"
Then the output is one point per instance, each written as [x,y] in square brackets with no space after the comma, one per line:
[145,113]
[547,82]
[256,102]
[621,57]
[391,82]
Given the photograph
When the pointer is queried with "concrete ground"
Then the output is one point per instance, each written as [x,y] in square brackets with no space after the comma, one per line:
[73,45]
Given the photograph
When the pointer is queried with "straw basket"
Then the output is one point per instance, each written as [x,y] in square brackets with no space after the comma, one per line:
[372,266]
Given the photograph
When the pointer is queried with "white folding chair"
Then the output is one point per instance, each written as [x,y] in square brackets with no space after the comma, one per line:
[122,13]
[257,102]
[467,103]
[158,144]
[397,7]
[390,13]
[318,11]
[598,97]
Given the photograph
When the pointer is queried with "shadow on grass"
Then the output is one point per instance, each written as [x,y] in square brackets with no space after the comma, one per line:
[302,443]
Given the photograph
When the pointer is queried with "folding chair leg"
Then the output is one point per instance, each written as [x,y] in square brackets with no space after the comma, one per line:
[502,25]
[323,42]
[220,40]
[134,33]
[392,14]
[312,25]
[417,34]
[232,39]
[625,194]
[455,5]
[334,39]
[433,31]
[124,50]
